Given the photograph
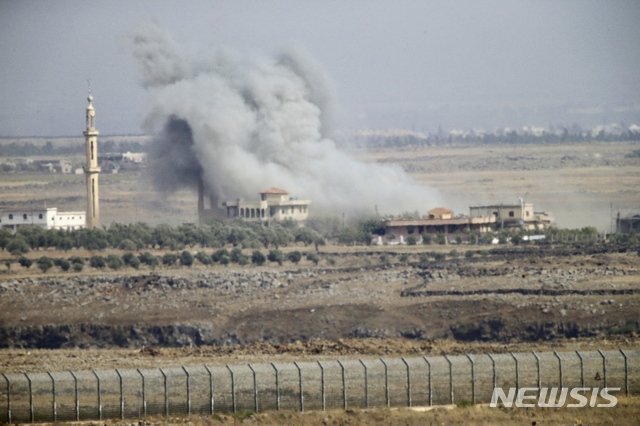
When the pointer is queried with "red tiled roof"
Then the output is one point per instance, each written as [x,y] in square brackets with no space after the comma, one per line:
[443,210]
[273,190]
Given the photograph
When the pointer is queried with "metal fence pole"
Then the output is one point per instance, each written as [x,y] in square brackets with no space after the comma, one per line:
[255,388]
[450,376]
[344,386]
[211,401]
[517,372]
[278,387]
[626,373]
[75,379]
[30,396]
[121,395]
[301,389]
[188,390]
[539,376]
[581,368]
[429,365]
[53,394]
[144,394]
[366,383]
[8,398]
[604,368]
[99,394]
[493,361]
[386,381]
[559,367]
[408,381]
[323,394]
[166,393]
[473,378]
[233,387]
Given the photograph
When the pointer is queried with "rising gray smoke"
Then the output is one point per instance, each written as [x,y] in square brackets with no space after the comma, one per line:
[247,125]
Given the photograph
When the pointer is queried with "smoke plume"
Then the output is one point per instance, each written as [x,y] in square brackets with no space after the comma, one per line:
[245,125]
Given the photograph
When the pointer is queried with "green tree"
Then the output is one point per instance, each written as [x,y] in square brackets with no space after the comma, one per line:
[258,258]
[149,259]
[114,262]
[204,258]
[18,246]
[294,256]
[411,240]
[426,238]
[275,256]
[458,238]
[313,256]
[235,255]
[440,238]
[25,262]
[218,254]
[97,261]
[169,259]
[186,258]
[130,259]
[44,263]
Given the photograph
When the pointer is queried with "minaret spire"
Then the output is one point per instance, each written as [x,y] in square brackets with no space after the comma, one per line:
[92,170]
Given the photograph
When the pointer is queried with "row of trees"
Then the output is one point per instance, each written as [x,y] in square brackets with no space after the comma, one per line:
[28,149]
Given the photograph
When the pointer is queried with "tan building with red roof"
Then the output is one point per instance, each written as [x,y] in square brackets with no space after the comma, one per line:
[274,204]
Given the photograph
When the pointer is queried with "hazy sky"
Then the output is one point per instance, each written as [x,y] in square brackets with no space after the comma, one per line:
[413,64]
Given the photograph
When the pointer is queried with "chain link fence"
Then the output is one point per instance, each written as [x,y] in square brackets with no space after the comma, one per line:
[392,382]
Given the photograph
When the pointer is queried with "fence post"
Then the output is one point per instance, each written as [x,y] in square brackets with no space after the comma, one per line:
[386,381]
[626,373]
[99,394]
[278,387]
[301,389]
[473,378]
[323,395]
[581,368]
[144,394]
[121,395]
[344,386]
[255,388]
[604,368]
[75,379]
[493,361]
[517,372]
[30,396]
[188,390]
[450,376]
[408,381]
[560,367]
[233,387]
[429,365]
[8,398]
[53,391]
[166,393]
[211,386]
[366,383]
[539,377]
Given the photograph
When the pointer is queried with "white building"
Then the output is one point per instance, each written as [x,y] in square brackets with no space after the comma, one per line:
[520,215]
[274,204]
[46,218]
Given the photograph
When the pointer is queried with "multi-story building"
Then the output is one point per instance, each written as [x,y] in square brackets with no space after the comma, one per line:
[521,215]
[46,218]
[274,204]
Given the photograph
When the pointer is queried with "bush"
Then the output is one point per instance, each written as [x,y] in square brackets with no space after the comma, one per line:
[294,256]
[331,261]
[404,258]
[390,236]
[424,257]
[127,244]
[439,256]
[149,259]
[441,238]
[44,263]
[17,246]
[76,260]
[453,253]
[63,264]
[468,254]
[235,255]
[484,253]
[411,240]
[224,259]
[130,259]
[114,262]
[204,258]
[313,256]
[218,254]
[169,259]
[186,258]
[97,262]
[78,267]
[458,238]
[25,262]
[243,259]
[258,258]
[275,256]
[426,238]
[384,258]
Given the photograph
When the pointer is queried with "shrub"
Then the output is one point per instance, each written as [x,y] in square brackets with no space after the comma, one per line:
[235,255]
[458,238]
[404,258]
[453,253]
[424,257]
[294,256]
[169,259]
[97,262]
[78,267]
[391,236]
[331,261]
[63,264]
[258,258]
[127,244]
[275,256]
[243,259]
[44,263]
[130,259]
[76,260]
[313,256]
[25,262]
[224,259]
[484,253]
[204,258]
[17,246]
[218,254]
[468,254]
[186,258]
[439,256]
[441,238]
[426,238]
[114,262]
[411,240]
[384,258]
[149,259]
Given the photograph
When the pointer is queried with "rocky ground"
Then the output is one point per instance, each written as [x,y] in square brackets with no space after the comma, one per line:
[533,293]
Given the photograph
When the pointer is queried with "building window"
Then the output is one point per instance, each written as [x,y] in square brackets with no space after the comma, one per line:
[263,197]
[511,213]
[527,214]
[40,216]
[24,216]
[284,210]
[10,217]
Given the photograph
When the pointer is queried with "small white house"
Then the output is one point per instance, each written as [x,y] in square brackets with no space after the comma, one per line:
[46,218]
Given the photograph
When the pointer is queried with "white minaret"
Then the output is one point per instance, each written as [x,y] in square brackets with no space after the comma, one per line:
[92,170]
